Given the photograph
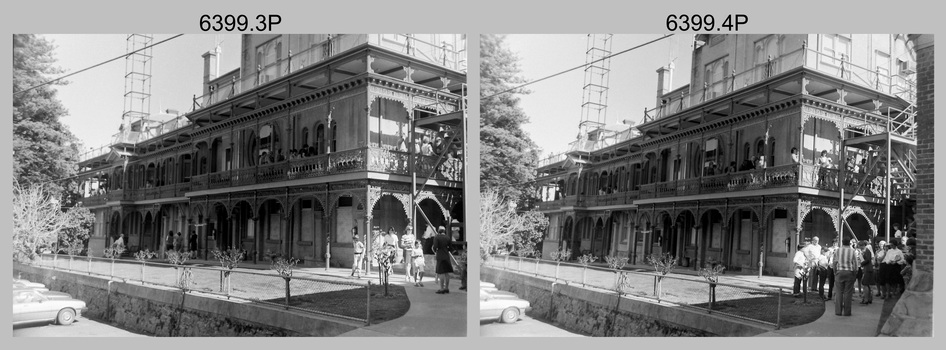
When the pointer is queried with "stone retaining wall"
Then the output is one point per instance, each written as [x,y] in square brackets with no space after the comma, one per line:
[602,314]
[163,311]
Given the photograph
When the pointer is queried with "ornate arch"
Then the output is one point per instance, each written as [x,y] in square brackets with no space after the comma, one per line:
[851,210]
[262,201]
[430,195]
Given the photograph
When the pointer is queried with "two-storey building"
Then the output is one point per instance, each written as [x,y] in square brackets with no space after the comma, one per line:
[312,137]
[750,158]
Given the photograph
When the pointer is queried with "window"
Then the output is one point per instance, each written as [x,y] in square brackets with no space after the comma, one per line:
[319,139]
[334,144]
[710,157]
[715,77]
[305,136]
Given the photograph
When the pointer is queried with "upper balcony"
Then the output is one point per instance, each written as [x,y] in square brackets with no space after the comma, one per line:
[685,97]
[870,186]
[445,54]
[137,131]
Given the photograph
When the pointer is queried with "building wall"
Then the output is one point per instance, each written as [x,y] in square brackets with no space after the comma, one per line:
[925,158]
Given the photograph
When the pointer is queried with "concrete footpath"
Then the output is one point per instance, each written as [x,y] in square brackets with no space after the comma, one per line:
[430,314]
[863,322]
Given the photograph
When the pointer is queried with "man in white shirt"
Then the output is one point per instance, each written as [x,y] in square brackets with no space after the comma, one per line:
[896,231]
[813,252]
[798,262]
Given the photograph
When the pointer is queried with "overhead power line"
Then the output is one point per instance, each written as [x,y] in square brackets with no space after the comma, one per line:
[96,65]
[578,67]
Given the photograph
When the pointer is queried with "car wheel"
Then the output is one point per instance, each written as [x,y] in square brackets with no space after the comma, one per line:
[510,315]
[66,317]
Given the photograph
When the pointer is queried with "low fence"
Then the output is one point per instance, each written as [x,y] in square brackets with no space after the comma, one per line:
[323,296]
[742,302]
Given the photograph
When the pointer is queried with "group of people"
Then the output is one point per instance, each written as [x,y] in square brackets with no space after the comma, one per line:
[410,253]
[176,242]
[854,264]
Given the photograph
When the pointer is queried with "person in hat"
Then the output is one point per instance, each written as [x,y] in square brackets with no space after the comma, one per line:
[444,266]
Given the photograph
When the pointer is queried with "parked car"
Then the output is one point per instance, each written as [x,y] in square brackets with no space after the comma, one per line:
[26,283]
[504,306]
[29,285]
[30,305]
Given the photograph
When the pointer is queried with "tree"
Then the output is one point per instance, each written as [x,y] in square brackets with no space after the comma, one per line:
[43,148]
[75,238]
[508,155]
[38,220]
[502,227]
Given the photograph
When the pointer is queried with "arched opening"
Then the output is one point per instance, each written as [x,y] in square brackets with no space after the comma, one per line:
[598,240]
[146,239]
[334,140]
[685,235]
[664,165]
[568,229]
[861,227]
[252,150]
[456,213]
[711,157]
[238,228]
[664,235]
[319,140]
[584,229]
[219,229]
[818,224]
[389,212]
[603,186]
[643,238]
[711,242]
[432,210]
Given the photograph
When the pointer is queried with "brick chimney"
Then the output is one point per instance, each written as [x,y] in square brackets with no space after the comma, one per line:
[211,68]
[664,81]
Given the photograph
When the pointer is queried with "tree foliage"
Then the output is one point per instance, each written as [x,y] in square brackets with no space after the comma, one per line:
[38,220]
[502,228]
[74,238]
[508,155]
[43,148]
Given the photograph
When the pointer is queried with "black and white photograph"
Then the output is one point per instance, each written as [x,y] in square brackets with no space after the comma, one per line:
[689,185]
[239,184]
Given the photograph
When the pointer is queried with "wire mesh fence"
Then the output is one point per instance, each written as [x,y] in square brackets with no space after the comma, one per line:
[322,295]
[762,305]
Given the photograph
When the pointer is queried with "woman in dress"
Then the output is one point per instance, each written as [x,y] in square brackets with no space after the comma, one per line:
[867,266]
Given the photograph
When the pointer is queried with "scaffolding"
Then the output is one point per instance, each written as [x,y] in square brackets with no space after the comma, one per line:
[893,149]
[137,78]
[594,101]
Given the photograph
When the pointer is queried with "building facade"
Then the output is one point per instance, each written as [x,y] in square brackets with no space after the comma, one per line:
[312,138]
[749,159]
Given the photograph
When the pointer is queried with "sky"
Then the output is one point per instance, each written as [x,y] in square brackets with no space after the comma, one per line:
[95,98]
[554,106]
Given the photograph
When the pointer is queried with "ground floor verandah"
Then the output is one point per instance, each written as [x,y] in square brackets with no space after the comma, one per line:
[740,233]
[303,222]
